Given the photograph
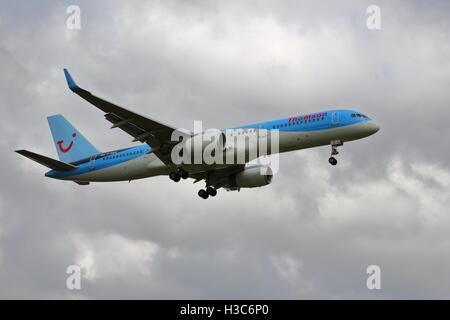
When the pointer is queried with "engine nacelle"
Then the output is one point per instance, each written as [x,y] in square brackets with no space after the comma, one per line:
[252,177]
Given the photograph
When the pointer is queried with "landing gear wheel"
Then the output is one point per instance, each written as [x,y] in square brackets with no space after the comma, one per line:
[203,194]
[334,144]
[174,176]
[211,191]
[332,161]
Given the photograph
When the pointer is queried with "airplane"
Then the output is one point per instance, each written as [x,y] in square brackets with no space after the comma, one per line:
[81,162]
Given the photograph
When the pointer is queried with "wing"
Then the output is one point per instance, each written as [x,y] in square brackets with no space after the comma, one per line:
[156,134]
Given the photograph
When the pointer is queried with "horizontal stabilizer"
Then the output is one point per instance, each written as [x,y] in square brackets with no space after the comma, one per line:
[46,161]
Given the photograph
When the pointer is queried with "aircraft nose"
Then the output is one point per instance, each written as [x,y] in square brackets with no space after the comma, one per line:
[372,126]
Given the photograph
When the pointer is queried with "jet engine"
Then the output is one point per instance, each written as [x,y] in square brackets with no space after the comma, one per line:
[251,177]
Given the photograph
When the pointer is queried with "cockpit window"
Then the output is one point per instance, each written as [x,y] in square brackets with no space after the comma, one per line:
[359,115]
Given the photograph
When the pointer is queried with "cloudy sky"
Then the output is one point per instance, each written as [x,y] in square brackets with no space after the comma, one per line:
[311,233]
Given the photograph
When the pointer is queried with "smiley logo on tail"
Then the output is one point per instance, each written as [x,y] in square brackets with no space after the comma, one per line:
[60,142]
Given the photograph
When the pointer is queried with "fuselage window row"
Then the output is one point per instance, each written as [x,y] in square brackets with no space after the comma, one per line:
[296,123]
[123,155]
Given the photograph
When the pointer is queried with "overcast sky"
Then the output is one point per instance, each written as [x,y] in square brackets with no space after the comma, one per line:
[312,232]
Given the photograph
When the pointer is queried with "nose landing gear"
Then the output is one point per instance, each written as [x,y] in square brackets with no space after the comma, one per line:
[334,144]
[332,161]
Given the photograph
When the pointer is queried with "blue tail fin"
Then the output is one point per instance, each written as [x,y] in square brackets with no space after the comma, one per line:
[69,142]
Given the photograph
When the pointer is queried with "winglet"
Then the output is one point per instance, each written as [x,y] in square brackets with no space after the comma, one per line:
[72,85]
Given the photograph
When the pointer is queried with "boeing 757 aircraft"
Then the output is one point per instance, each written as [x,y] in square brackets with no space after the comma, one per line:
[81,162]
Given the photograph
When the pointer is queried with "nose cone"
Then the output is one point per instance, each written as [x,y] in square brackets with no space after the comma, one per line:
[372,127]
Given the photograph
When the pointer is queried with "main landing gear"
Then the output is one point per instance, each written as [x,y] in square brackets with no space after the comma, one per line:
[334,144]
[178,175]
[210,191]
[203,193]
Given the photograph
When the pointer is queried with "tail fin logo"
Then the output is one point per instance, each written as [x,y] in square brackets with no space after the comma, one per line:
[60,142]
